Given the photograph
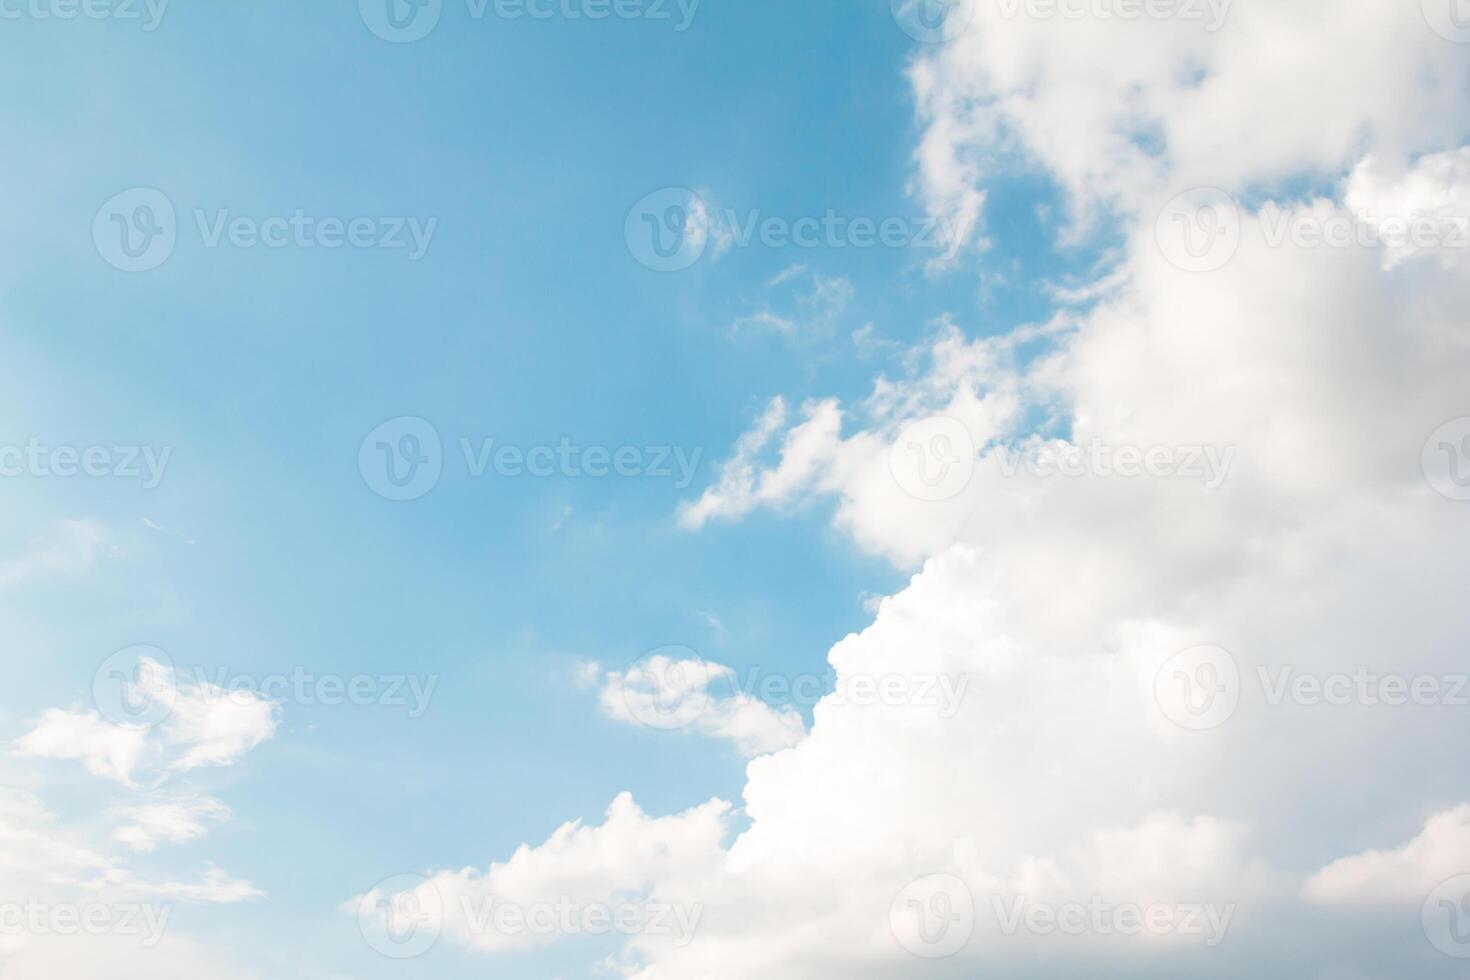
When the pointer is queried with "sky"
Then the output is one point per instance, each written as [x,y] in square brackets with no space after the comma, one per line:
[658,489]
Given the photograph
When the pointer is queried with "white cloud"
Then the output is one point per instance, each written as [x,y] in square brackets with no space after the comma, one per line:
[206,725]
[1062,774]
[172,821]
[666,693]
[1403,876]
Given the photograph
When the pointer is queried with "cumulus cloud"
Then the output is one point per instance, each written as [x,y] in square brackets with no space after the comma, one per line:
[205,725]
[1070,773]
[689,693]
[1404,875]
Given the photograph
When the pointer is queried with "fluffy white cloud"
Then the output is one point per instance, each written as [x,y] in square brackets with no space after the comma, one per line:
[204,725]
[1070,773]
[692,694]
[1403,875]
[172,821]
[630,862]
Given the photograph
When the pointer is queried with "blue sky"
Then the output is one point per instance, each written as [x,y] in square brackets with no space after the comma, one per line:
[248,407]
[526,321]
